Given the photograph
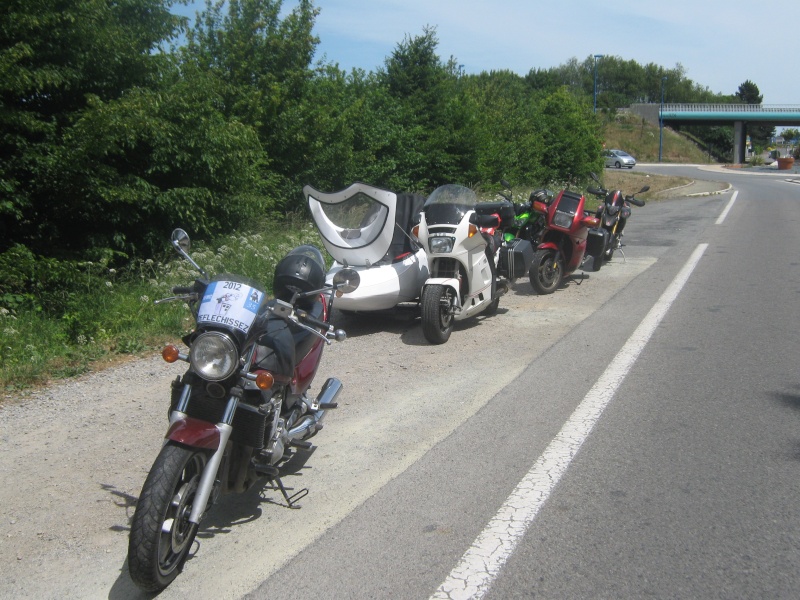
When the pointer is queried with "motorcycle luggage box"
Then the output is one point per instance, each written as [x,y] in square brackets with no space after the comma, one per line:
[504,208]
[515,258]
[596,241]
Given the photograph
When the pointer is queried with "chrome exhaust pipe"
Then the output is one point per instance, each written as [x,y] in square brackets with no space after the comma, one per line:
[311,423]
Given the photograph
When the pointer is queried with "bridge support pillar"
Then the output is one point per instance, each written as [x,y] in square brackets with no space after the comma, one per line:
[739,142]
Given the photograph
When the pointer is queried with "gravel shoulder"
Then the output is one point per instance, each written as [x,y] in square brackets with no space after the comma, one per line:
[74,455]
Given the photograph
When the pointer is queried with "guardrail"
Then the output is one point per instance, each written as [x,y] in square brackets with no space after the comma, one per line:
[737,108]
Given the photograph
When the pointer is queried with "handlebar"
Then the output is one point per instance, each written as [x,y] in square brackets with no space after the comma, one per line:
[596,191]
[182,290]
[308,319]
[634,200]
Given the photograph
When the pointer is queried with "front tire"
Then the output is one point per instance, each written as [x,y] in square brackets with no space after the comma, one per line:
[547,270]
[161,534]
[613,245]
[437,313]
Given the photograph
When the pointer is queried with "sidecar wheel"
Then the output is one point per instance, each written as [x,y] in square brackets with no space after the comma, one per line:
[547,270]
[437,313]
[161,534]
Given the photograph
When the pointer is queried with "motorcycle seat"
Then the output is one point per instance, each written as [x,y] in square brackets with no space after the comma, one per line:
[484,220]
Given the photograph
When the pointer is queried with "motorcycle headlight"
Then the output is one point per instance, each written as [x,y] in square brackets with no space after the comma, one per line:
[214,356]
[441,245]
[561,219]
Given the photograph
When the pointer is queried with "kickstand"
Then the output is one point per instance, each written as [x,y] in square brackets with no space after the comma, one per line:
[624,260]
[291,501]
[576,279]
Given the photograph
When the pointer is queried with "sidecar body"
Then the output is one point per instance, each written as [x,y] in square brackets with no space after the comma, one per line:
[369,229]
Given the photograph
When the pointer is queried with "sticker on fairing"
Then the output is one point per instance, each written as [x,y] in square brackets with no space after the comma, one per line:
[230,303]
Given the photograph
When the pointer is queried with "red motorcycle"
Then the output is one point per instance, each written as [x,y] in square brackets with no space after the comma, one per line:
[563,246]
[242,408]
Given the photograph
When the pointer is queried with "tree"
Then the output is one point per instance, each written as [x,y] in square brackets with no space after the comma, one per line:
[433,113]
[507,135]
[748,93]
[571,138]
[791,134]
[263,63]
[54,57]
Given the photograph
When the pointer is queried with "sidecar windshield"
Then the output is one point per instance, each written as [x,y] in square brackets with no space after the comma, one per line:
[356,224]
[448,204]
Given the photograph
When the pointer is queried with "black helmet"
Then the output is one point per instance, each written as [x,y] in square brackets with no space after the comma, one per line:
[302,270]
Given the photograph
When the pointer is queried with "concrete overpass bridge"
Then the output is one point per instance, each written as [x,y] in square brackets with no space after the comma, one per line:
[738,115]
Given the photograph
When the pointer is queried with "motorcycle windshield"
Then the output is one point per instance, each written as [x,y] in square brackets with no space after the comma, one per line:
[448,204]
[230,304]
[356,224]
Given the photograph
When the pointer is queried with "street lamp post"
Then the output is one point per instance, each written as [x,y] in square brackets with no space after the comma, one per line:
[596,56]
[661,121]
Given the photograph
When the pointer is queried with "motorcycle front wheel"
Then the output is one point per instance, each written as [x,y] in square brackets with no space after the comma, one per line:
[547,270]
[161,534]
[437,313]
[613,245]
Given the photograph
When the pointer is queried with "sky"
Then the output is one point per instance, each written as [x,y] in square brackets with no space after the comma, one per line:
[719,43]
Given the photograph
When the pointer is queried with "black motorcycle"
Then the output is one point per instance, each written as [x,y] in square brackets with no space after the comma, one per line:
[613,213]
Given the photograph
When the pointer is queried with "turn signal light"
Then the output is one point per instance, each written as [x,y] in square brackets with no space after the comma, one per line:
[472,230]
[264,380]
[170,353]
[415,231]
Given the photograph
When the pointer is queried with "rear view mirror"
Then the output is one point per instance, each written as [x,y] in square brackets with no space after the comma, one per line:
[347,280]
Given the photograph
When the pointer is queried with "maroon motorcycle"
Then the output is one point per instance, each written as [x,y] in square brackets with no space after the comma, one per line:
[241,410]
[563,246]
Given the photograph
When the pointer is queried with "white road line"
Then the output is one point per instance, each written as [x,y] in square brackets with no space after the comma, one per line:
[482,562]
[728,207]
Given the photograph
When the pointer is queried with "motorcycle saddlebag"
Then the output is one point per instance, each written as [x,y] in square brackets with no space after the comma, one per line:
[515,258]
[596,241]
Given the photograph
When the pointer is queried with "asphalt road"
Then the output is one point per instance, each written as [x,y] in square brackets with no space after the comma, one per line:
[633,436]
[686,486]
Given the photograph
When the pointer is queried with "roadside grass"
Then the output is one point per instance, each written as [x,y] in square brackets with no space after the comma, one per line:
[114,318]
[627,180]
[640,139]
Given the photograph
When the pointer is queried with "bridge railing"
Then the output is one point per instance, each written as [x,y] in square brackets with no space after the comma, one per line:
[738,108]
